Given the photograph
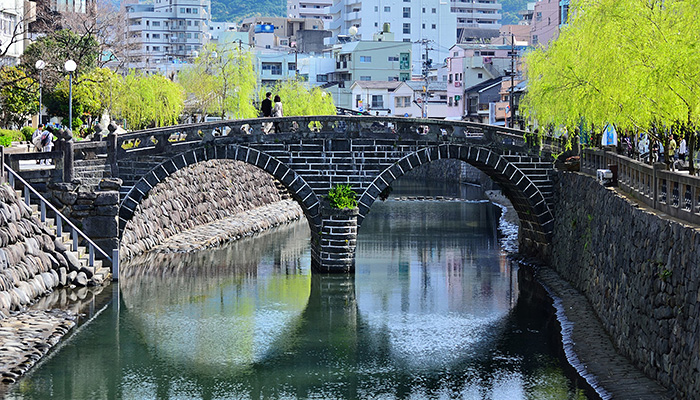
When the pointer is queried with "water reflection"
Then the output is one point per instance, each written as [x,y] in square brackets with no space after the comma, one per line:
[433,311]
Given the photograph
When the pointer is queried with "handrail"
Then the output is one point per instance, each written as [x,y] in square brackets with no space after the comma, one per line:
[75,232]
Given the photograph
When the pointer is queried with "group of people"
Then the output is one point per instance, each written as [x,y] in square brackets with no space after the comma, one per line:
[42,139]
[269,110]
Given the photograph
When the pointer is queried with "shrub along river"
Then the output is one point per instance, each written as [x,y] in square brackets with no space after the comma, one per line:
[435,310]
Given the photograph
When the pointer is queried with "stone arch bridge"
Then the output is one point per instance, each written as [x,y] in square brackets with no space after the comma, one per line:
[311,155]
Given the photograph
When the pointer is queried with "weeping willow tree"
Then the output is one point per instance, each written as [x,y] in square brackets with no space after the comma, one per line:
[222,82]
[298,99]
[149,101]
[630,63]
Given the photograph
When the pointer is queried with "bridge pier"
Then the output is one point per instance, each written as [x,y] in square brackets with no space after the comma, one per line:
[333,246]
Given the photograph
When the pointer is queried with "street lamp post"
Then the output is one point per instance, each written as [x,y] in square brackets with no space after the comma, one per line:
[40,65]
[70,66]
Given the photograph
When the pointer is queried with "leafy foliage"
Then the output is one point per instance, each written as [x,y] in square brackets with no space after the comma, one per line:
[222,82]
[342,196]
[27,133]
[149,101]
[629,63]
[18,96]
[299,99]
[7,136]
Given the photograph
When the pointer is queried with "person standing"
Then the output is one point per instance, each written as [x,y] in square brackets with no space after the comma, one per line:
[682,150]
[266,108]
[277,112]
[672,153]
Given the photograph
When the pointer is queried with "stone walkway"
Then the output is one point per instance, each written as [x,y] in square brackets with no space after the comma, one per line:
[216,233]
[590,350]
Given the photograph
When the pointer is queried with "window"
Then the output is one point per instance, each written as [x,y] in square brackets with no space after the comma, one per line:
[387,9]
[407,12]
[423,10]
[449,102]
[407,28]
[392,78]
[480,75]
[358,99]
[156,36]
[434,26]
[189,23]
[402,101]
[407,40]
[365,78]
[376,8]
[434,11]
[449,79]
[392,58]
[291,67]
[156,23]
[189,35]
[377,101]
[182,10]
[365,59]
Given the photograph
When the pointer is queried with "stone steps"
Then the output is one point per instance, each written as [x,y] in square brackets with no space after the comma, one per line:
[95,275]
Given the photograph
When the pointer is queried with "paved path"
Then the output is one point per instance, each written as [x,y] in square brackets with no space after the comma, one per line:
[590,350]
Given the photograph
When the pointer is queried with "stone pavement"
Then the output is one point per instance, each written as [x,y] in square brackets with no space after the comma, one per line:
[590,350]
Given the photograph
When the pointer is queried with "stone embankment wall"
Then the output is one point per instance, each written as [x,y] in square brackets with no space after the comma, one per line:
[32,260]
[641,273]
[194,196]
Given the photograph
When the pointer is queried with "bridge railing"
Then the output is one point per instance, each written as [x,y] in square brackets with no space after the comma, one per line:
[674,193]
[162,139]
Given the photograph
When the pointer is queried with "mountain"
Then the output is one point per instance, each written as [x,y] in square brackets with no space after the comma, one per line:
[236,10]
[511,9]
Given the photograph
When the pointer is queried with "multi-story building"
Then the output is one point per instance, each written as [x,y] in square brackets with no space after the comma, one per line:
[428,21]
[163,34]
[480,14]
[12,31]
[310,9]
[382,59]
[472,64]
[547,19]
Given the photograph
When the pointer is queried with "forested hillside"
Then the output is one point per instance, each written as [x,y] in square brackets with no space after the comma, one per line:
[236,10]
[511,9]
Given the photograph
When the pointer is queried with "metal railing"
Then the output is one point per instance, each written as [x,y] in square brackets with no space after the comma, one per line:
[673,193]
[44,204]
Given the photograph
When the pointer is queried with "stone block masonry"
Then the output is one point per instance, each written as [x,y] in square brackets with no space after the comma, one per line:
[197,195]
[641,273]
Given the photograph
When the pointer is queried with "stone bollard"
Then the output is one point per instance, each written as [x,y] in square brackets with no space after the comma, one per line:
[333,248]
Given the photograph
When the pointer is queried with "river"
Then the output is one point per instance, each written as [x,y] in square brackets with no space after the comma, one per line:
[435,310]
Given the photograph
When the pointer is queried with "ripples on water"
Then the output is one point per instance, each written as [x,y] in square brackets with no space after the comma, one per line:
[435,310]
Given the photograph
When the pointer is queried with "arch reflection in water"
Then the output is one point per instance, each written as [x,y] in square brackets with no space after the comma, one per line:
[223,307]
[432,312]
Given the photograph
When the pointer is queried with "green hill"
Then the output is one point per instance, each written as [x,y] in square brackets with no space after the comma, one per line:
[236,10]
[511,9]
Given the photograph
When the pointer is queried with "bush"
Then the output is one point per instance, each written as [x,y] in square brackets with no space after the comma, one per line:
[342,196]
[27,132]
[7,136]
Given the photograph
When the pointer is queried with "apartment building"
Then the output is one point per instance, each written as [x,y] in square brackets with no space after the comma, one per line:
[548,17]
[12,31]
[472,64]
[164,34]
[412,21]
[382,59]
[479,14]
[310,9]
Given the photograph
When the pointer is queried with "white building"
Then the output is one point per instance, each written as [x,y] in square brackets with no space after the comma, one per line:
[399,99]
[165,33]
[410,21]
[12,31]
[480,14]
[310,9]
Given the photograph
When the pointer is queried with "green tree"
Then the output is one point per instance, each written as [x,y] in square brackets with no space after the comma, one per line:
[298,99]
[221,81]
[149,101]
[630,63]
[19,97]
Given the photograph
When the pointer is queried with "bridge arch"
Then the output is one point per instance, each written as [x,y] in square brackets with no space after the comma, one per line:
[535,216]
[295,183]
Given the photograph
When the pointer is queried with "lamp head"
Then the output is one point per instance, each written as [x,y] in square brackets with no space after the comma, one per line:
[70,66]
[40,64]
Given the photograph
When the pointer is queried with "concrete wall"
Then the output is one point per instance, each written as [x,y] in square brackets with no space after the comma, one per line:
[641,273]
[196,195]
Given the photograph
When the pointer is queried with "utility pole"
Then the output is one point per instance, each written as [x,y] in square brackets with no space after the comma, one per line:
[426,69]
[512,77]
